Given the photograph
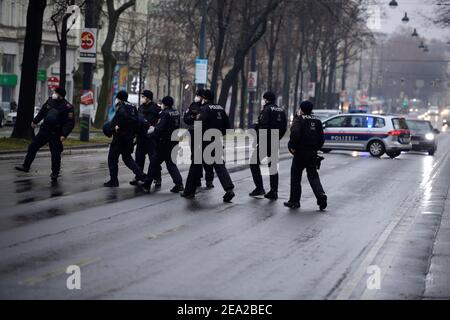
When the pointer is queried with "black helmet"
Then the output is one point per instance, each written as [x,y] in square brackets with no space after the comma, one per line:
[208,95]
[107,130]
[307,107]
[270,96]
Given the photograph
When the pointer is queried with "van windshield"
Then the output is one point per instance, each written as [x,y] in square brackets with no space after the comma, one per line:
[419,125]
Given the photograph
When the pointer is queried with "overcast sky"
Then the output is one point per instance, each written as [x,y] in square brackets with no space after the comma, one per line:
[418,12]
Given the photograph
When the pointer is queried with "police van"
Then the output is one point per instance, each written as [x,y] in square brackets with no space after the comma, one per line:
[377,134]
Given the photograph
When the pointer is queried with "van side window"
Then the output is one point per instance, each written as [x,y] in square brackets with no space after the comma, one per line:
[379,123]
[338,122]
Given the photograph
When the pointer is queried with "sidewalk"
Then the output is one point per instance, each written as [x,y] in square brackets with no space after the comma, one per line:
[438,277]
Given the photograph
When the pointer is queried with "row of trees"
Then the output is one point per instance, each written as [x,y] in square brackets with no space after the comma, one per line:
[296,42]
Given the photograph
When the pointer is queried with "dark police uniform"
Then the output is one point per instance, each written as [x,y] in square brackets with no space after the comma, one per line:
[212,117]
[145,145]
[189,118]
[169,122]
[126,118]
[58,116]
[271,118]
[305,140]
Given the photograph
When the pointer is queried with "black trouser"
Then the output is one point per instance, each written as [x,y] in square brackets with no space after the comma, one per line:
[163,153]
[195,172]
[256,172]
[146,147]
[41,139]
[209,170]
[124,148]
[301,162]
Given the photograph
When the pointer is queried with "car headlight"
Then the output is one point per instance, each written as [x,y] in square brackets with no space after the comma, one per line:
[429,136]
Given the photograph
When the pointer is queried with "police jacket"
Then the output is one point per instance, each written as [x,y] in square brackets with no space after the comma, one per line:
[272,117]
[126,118]
[213,116]
[169,121]
[58,116]
[148,116]
[306,134]
[190,115]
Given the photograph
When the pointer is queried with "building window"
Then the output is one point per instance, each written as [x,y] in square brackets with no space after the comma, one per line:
[8,63]
[7,94]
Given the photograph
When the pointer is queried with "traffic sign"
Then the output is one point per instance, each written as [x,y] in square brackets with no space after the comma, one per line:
[252,81]
[201,71]
[53,83]
[88,45]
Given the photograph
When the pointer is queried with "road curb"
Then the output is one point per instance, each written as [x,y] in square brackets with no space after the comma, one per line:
[77,150]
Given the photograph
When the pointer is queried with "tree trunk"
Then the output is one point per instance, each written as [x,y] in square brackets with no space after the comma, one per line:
[234,96]
[243,107]
[230,78]
[249,36]
[222,23]
[77,89]
[30,62]
[109,61]
[344,66]
[287,75]
[169,76]
[331,76]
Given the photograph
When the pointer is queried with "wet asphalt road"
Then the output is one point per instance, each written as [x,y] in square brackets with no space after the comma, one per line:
[132,245]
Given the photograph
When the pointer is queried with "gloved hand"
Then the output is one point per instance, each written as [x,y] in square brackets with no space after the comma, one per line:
[151,130]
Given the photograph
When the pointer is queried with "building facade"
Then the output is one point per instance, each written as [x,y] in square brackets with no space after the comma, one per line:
[13,14]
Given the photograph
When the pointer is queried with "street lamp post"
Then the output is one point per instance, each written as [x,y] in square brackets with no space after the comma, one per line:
[88,71]
[202,53]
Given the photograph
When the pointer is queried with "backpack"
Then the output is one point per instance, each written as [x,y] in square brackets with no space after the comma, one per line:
[132,117]
[310,133]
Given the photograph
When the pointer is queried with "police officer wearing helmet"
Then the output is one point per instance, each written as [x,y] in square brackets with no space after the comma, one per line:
[58,122]
[306,139]
[162,133]
[212,116]
[124,126]
[189,118]
[148,116]
[272,118]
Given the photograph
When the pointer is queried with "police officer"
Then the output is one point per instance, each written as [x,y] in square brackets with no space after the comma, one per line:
[272,118]
[190,116]
[58,116]
[124,126]
[148,116]
[212,116]
[162,133]
[306,139]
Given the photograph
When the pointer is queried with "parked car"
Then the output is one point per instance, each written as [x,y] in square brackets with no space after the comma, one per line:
[11,117]
[423,136]
[367,132]
[433,111]
[324,114]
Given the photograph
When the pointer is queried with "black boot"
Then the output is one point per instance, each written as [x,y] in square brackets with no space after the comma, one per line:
[111,184]
[257,192]
[134,182]
[54,177]
[188,195]
[177,189]
[209,185]
[322,201]
[228,196]
[271,195]
[22,168]
[292,205]
[158,183]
